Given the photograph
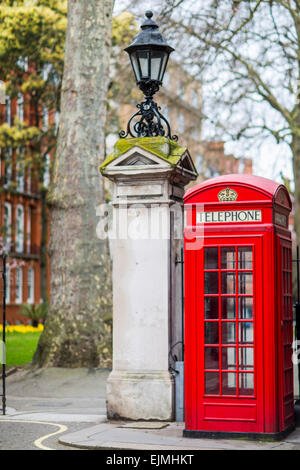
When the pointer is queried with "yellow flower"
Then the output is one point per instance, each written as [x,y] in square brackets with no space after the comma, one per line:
[22,328]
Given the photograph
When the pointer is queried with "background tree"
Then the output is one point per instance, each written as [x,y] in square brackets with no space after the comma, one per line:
[75,333]
[122,89]
[247,55]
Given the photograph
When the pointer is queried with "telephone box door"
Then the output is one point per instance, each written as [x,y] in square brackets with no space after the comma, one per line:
[285,332]
[229,319]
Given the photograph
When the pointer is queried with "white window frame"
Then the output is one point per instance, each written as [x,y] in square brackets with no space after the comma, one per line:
[20,177]
[22,62]
[166,113]
[199,162]
[56,120]
[28,230]
[45,118]
[181,89]
[28,180]
[196,132]
[7,226]
[20,107]
[241,165]
[167,79]
[8,167]
[181,123]
[19,285]
[7,293]
[195,99]
[46,175]
[31,279]
[47,68]
[20,229]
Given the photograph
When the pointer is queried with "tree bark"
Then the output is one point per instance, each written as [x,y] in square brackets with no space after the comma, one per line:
[76,333]
[43,248]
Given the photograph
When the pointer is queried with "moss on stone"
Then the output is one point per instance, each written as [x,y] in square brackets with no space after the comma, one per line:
[164,148]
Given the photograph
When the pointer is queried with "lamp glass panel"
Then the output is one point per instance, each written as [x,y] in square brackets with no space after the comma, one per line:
[144,63]
[135,66]
[163,66]
[156,58]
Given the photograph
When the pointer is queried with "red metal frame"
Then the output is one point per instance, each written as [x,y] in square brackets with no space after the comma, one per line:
[267,407]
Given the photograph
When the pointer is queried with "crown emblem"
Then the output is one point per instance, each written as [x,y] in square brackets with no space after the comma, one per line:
[227,195]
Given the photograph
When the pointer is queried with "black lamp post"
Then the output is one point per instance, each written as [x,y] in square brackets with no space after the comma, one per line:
[149,55]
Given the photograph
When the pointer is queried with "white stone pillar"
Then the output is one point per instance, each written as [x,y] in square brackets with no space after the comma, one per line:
[149,175]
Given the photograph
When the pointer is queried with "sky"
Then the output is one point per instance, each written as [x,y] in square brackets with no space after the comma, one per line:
[270,159]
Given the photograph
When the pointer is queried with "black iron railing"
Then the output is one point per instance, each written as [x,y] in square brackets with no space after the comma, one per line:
[297,306]
[3,308]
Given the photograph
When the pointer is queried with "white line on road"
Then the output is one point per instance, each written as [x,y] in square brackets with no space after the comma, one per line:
[38,442]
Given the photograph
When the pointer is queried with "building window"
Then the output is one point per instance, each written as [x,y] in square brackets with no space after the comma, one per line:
[19,286]
[165,112]
[46,71]
[30,286]
[45,118]
[56,120]
[199,162]
[28,230]
[194,99]
[181,123]
[20,107]
[181,89]
[211,171]
[7,292]
[196,133]
[22,62]
[28,180]
[20,229]
[7,167]
[20,177]
[110,141]
[8,110]
[7,174]
[7,226]
[241,165]
[46,177]
[167,79]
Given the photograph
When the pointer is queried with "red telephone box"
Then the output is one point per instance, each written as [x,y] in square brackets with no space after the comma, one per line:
[238,309]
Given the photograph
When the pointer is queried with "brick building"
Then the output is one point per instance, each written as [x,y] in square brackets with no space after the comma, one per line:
[211,160]
[21,216]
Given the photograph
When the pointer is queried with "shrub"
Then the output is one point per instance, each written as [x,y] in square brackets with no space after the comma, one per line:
[34,312]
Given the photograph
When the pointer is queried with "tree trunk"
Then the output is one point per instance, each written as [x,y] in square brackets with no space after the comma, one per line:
[76,334]
[43,249]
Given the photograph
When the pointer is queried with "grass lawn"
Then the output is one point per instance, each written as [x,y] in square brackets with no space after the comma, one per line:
[20,347]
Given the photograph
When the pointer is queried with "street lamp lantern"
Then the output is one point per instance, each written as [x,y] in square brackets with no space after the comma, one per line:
[149,55]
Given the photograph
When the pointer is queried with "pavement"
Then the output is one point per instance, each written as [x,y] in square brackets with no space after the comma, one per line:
[64,409]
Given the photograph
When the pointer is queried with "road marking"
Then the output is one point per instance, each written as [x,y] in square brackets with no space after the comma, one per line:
[38,442]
